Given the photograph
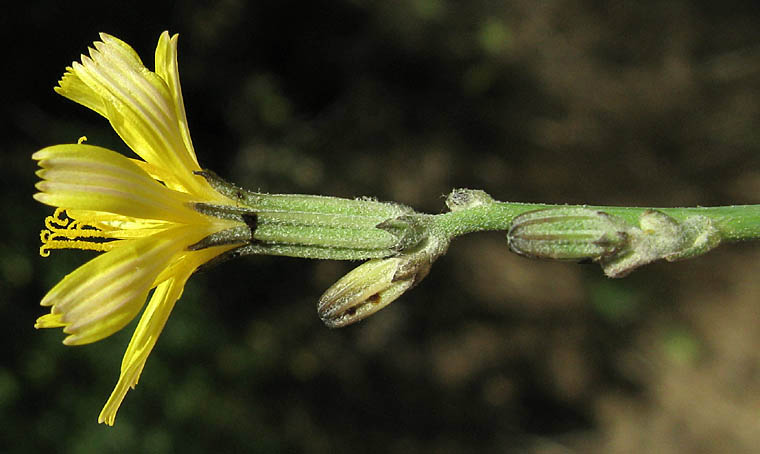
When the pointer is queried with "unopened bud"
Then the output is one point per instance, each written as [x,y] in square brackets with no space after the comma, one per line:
[567,233]
[660,236]
[376,283]
[462,199]
[365,290]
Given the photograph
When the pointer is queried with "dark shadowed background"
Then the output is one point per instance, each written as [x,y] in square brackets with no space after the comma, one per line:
[630,103]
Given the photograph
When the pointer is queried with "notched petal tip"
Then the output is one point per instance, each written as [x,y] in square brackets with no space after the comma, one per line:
[110,43]
[167,46]
[108,419]
[44,153]
[41,196]
[72,87]
[49,321]
[165,39]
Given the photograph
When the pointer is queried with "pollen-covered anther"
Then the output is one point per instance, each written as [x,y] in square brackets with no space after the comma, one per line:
[67,233]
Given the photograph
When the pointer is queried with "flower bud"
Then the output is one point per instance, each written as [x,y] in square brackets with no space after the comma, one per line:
[376,283]
[567,233]
[362,292]
[660,236]
[577,233]
[464,199]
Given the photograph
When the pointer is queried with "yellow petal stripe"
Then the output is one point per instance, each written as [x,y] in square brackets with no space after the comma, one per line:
[83,176]
[166,68]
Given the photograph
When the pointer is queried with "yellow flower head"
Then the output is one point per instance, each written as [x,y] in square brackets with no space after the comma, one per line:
[138,211]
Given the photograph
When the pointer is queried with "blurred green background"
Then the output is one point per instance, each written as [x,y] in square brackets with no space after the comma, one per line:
[630,103]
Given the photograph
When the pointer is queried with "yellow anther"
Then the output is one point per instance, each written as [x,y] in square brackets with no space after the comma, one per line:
[67,233]
[55,221]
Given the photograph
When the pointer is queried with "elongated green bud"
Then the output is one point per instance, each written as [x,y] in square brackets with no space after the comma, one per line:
[567,233]
[376,283]
[365,290]
[309,226]
[578,233]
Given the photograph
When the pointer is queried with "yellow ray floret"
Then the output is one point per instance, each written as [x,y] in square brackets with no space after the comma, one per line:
[139,213]
[145,108]
[86,177]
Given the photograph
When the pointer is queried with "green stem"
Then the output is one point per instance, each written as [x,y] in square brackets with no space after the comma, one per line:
[735,222]
[619,238]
